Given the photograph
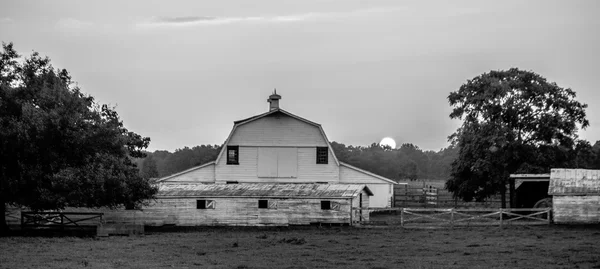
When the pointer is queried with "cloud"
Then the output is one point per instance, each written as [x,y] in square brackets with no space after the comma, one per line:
[208,20]
[6,20]
[72,24]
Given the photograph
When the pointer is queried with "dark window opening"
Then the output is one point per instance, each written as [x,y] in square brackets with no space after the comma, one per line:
[322,154]
[233,154]
[231,182]
[200,204]
[263,203]
[205,204]
[325,205]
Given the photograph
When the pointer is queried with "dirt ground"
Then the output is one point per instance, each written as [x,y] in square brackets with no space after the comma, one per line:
[313,247]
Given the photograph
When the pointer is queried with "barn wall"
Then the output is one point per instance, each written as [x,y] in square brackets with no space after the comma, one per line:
[234,212]
[383,192]
[576,209]
[247,170]
[204,174]
[278,129]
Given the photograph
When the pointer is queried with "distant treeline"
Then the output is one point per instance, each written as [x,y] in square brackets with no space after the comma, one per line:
[406,162]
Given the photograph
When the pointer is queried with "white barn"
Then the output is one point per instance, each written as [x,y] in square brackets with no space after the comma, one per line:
[280,147]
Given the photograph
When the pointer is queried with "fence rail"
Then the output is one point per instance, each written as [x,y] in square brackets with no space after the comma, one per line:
[432,197]
[59,220]
[463,217]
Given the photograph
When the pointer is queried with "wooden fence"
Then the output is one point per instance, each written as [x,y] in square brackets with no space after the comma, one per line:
[432,197]
[60,220]
[462,217]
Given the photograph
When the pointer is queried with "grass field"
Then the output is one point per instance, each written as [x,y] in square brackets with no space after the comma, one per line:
[313,247]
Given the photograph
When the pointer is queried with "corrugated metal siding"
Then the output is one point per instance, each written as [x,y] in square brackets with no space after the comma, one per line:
[205,174]
[247,170]
[574,182]
[576,209]
[260,190]
[277,130]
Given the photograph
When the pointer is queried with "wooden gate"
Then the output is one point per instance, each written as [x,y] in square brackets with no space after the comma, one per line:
[60,220]
[453,217]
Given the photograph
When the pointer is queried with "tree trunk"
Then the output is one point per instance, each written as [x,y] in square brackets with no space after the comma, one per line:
[503,195]
[3,226]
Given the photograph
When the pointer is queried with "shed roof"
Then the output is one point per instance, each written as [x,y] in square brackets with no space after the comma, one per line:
[574,182]
[262,190]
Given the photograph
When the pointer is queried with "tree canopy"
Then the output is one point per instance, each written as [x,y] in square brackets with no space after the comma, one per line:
[513,121]
[58,147]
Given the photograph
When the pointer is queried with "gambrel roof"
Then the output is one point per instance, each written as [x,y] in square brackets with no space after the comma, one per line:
[278,110]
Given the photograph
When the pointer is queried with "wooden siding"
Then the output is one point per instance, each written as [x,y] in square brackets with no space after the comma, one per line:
[382,196]
[234,212]
[357,203]
[576,209]
[349,175]
[204,174]
[574,182]
[247,170]
[277,129]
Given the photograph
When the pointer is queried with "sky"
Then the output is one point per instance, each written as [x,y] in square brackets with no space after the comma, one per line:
[180,72]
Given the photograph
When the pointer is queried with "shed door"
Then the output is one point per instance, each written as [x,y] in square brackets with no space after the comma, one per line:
[267,162]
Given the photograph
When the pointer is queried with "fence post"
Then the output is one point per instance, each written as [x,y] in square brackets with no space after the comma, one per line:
[548,215]
[402,218]
[501,217]
[452,218]
[62,221]
[22,221]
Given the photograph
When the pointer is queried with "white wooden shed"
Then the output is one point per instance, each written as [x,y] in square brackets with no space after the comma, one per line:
[251,205]
[575,196]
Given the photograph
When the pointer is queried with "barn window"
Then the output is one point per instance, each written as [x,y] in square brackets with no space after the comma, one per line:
[263,203]
[322,155]
[205,204]
[325,205]
[233,154]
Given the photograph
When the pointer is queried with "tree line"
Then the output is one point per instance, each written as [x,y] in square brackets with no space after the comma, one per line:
[405,163]
[408,162]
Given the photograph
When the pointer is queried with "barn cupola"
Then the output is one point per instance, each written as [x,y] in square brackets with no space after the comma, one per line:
[274,100]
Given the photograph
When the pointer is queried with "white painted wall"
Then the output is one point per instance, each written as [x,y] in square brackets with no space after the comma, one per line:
[277,129]
[204,174]
[285,134]
[382,190]
[247,170]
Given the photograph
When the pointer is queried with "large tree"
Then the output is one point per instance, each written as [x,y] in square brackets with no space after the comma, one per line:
[58,147]
[513,121]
